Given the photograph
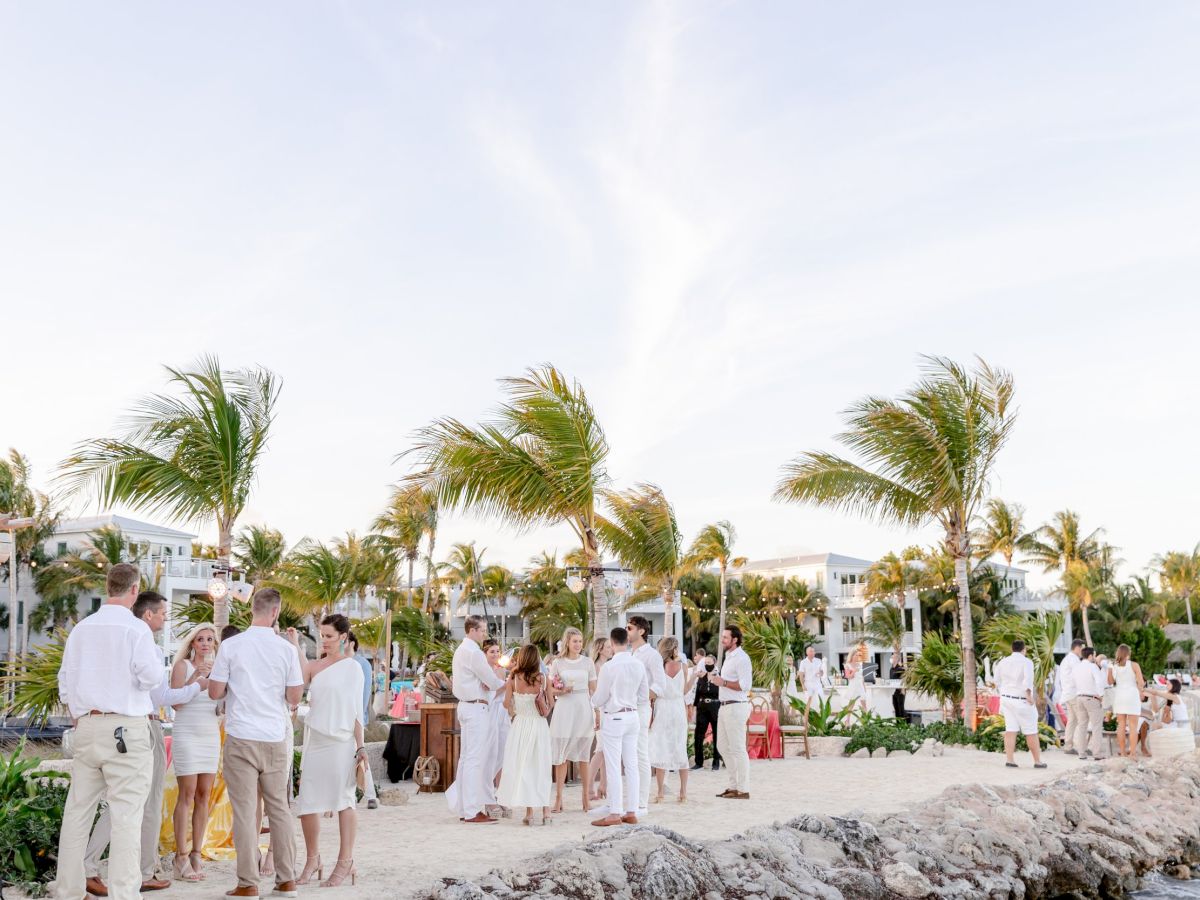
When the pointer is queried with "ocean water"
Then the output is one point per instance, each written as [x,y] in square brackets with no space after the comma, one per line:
[1159,887]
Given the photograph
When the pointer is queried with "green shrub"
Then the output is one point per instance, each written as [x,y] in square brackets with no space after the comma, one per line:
[30,819]
[822,720]
[990,735]
[876,732]
[954,733]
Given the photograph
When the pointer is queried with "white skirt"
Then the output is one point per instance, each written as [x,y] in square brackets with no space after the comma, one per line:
[668,735]
[525,779]
[572,728]
[1167,742]
[327,781]
[195,743]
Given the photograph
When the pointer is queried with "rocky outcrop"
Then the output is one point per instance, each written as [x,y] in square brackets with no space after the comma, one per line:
[1090,834]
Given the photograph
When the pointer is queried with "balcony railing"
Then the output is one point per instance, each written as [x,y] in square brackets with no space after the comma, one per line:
[850,638]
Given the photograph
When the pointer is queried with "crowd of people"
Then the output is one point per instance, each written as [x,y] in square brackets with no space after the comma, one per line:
[618,713]
[234,695]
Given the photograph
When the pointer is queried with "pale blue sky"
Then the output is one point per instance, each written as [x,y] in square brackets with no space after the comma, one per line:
[729,220]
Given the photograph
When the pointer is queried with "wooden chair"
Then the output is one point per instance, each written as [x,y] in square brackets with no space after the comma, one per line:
[756,725]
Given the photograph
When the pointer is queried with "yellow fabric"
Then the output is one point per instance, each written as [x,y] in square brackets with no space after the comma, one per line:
[218,841]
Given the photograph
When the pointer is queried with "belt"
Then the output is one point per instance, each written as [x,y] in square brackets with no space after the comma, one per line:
[727,702]
[1089,696]
[472,701]
[97,712]
[709,700]
[624,709]
[1012,696]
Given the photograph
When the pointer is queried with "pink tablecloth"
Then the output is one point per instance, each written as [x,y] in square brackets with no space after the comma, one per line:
[772,746]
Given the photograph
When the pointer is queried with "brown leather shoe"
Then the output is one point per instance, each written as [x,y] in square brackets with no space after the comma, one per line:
[155,884]
[243,890]
[285,889]
[740,795]
[96,887]
[727,792]
[607,821]
[629,819]
[480,819]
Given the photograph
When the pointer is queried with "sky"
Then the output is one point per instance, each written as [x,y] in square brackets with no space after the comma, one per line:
[728,220]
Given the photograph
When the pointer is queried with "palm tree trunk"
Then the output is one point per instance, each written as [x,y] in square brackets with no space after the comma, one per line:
[967,632]
[597,583]
[428,575]
[668,596]
[721,621]
[1087,631]
[224,544]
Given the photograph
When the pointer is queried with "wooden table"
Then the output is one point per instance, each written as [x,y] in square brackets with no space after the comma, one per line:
[439,739]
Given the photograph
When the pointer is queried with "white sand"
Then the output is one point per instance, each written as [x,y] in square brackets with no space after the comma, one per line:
[404,849]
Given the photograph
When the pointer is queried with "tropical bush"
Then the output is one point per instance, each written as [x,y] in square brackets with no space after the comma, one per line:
[937,671]
[990,735]
[896,734]
[30,819]
[822,720]
[35,680]
[1149,647]
[876,732]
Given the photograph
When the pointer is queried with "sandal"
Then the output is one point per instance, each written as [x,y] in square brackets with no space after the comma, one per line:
[195,859]
[182,867]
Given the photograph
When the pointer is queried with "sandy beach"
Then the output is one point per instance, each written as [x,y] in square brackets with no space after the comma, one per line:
[403,849]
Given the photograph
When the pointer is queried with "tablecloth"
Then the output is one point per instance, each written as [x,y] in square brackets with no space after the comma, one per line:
[403,748]
[769,746]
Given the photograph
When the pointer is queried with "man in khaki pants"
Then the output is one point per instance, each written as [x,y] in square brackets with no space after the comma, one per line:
[110,665]
[261,673]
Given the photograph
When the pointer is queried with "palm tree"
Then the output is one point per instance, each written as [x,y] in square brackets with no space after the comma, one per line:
[641,530]
[1085,586]
[463,569]
[19,499]
[1061,546]
[313,578]
[551,615]
[699,594]
[1179,573]
[1131,606]
[714,544]
[194,457]
[1000,530]
[258,552]
[885,627]
[938,671]
[1040,633]
[540,461]
[409,517]
[498,582]
[770,644]
[544,568]
[930,455]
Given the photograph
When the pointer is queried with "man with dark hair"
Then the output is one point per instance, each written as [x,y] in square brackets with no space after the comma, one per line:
[369,793]
[708,704]
[1064,694]
[262,674]
[110,665]
[639,628]
[473,789]
[621,689]
[1015,680]
[151,608]
[735,681]
[1089,695]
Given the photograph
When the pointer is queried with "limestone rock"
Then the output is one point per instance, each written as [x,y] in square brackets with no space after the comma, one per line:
[861,753]
[879,753]
[393,796]
[906,881]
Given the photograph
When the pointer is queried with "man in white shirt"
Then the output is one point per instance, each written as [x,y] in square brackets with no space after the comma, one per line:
[1089,694]
[812,677]
[1014,677]
[638,627]
[1064,694]
[151,608]
[473,677]
[262,676]
[110,664]
[735,681]
[621,690]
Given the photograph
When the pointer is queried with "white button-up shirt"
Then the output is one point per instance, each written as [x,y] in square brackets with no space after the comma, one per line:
[165,695]
[1088,679]
[812,671]
[622,684]
[110,663]
[652,660]
[1014,675]
[736,667]
[473,677]
[1064,686]
[258,666]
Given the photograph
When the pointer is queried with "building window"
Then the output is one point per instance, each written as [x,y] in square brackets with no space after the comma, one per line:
[62,548]
[181,551]
[95,604]
[908,620]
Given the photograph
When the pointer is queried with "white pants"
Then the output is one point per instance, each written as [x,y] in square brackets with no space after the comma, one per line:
[99,769]
[815,697]
[644,714]
[151,818]
[1019,715]
[472,789]
[731,743]
[620,740]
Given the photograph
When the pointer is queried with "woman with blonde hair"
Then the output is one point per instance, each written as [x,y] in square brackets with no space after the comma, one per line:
[195,749]
[1126,677]
[668,730]
[573,728]
[854,674]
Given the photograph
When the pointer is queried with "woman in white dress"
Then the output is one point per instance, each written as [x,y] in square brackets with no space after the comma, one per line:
[1126,677]
[669,727]
[600,653]
[525,777]
[333,750]
[496,712]
[195,750]
[573,726]
[1175,736]
[857,693]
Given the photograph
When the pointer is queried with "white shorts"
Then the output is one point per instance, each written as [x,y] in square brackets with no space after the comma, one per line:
[1019,715]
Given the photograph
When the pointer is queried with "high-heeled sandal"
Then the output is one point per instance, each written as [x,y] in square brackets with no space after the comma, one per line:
[182,873]
[195,859]
[310,867]
[343,868]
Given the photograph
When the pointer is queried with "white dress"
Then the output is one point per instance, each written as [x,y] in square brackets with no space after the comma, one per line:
[573,724]
[196,734]
[525,779]
[327,779]
[669,730]
[1176,737]
[857,688]
[1126,699]
[499,717]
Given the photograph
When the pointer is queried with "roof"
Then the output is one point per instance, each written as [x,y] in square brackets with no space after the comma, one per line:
[92,523]
[812,559]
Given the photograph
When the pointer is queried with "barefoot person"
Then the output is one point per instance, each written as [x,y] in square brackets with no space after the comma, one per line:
[572,729]
[473,789]
[621,689]
[261,675]
[638,628]
[112,679]
[1014,682]
[735,681]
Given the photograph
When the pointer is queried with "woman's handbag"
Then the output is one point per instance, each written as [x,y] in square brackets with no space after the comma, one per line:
[427,771]
[360,773]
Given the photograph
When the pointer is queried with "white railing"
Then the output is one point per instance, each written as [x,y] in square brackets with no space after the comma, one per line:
[850,638]
[178,567]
